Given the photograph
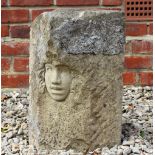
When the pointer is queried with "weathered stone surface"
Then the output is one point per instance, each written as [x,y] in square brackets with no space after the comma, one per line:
[75,85]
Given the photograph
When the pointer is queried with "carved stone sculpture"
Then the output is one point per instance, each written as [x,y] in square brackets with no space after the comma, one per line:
[75,84]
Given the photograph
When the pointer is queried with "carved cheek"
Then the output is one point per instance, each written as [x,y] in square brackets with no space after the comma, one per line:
[66,79]
[47,77]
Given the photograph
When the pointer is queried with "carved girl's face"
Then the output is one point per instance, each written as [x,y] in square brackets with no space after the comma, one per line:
[58,81]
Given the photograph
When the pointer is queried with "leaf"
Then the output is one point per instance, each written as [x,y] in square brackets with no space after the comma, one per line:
[4,97]
[131,106]
[5,128]
[142,133]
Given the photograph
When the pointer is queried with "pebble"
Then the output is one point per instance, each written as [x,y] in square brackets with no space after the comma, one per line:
[135,150]
[9,114]
[127,151]
[148,150]
[20,131]
[137,126]
[16,140]
[5,141]
[10,141]
[9,135]
[24,126]
[128,143]
[120,152]
[114,149]
[137,140]
[15,148]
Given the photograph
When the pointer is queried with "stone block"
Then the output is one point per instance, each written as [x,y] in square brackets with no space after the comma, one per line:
[76,64]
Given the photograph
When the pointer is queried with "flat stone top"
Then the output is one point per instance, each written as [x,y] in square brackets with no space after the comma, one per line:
[76,31]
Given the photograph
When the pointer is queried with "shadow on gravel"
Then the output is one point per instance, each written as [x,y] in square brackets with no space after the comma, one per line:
[128,130]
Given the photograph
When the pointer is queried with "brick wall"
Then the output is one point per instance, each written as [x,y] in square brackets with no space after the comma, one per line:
[17,16]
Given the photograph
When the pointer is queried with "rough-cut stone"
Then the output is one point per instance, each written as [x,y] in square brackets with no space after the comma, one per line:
[75,85]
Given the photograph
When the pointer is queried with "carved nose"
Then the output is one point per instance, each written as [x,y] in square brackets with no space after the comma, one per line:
[56,77]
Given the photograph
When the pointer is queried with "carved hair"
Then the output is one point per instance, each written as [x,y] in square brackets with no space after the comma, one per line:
[41,79]
[50,56]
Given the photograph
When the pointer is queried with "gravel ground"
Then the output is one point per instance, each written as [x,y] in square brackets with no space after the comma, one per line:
[137,124]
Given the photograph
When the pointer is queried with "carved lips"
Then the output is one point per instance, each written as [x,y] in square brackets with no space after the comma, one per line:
[57,90]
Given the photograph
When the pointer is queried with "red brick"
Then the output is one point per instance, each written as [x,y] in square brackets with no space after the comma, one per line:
[15,48]
[146,78]
[3,2]
[77,2]
[136,29]
[142,46]
[5,64]
[36,13]
[15,16]
[5,30]
[30,2]
[21,64]
[15,81]
[112,2]
[138,62]
[129,78]
[151,28]
[21,31]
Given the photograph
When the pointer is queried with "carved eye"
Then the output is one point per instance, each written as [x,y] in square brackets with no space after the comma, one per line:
[48,68]
[63,68]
